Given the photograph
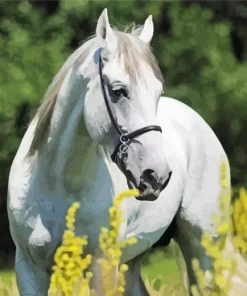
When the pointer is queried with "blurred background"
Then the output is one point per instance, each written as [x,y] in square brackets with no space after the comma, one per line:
[201,47]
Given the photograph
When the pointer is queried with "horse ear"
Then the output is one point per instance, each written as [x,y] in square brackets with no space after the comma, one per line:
[105,32]
[148,30]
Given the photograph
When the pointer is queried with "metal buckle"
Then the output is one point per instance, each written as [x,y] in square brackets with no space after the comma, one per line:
[123,147]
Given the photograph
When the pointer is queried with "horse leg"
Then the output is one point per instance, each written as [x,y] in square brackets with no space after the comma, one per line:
[31,281]
[134,283]
[190,246]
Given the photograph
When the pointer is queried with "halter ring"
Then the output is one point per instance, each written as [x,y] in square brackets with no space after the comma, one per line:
[124,139]
[123,147]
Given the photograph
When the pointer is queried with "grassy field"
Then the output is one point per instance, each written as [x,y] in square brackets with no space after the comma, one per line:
[160,268]
[162,271]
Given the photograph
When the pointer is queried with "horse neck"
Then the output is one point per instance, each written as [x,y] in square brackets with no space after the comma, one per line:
[70,158]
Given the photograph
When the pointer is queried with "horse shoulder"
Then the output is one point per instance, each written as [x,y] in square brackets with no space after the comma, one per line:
[204,154]
[191,134]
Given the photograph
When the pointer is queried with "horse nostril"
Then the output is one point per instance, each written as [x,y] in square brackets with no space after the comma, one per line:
[148,176]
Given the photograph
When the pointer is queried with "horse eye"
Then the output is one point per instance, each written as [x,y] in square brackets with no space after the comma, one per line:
[120,92]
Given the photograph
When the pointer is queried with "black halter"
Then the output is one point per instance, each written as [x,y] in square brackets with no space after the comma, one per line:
[122,146]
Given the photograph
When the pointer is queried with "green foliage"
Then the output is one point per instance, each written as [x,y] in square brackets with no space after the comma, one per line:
[194,52]
[32,50]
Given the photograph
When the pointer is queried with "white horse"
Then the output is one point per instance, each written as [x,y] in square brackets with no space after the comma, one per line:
[108,89]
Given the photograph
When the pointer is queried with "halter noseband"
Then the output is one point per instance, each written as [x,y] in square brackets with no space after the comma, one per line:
[122,146]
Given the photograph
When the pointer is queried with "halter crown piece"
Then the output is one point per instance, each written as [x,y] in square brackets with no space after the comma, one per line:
[124,138]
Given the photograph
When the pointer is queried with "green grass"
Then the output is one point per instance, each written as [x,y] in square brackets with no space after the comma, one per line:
[161,269]
[160,265]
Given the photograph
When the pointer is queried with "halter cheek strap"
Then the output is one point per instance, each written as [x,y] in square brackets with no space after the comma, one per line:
[122,146]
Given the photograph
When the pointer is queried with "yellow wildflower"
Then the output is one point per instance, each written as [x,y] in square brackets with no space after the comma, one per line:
[112,249]
[220,285]
[70,265]
[239,218]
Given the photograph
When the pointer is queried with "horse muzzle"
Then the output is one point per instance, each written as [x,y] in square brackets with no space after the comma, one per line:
[149,191]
